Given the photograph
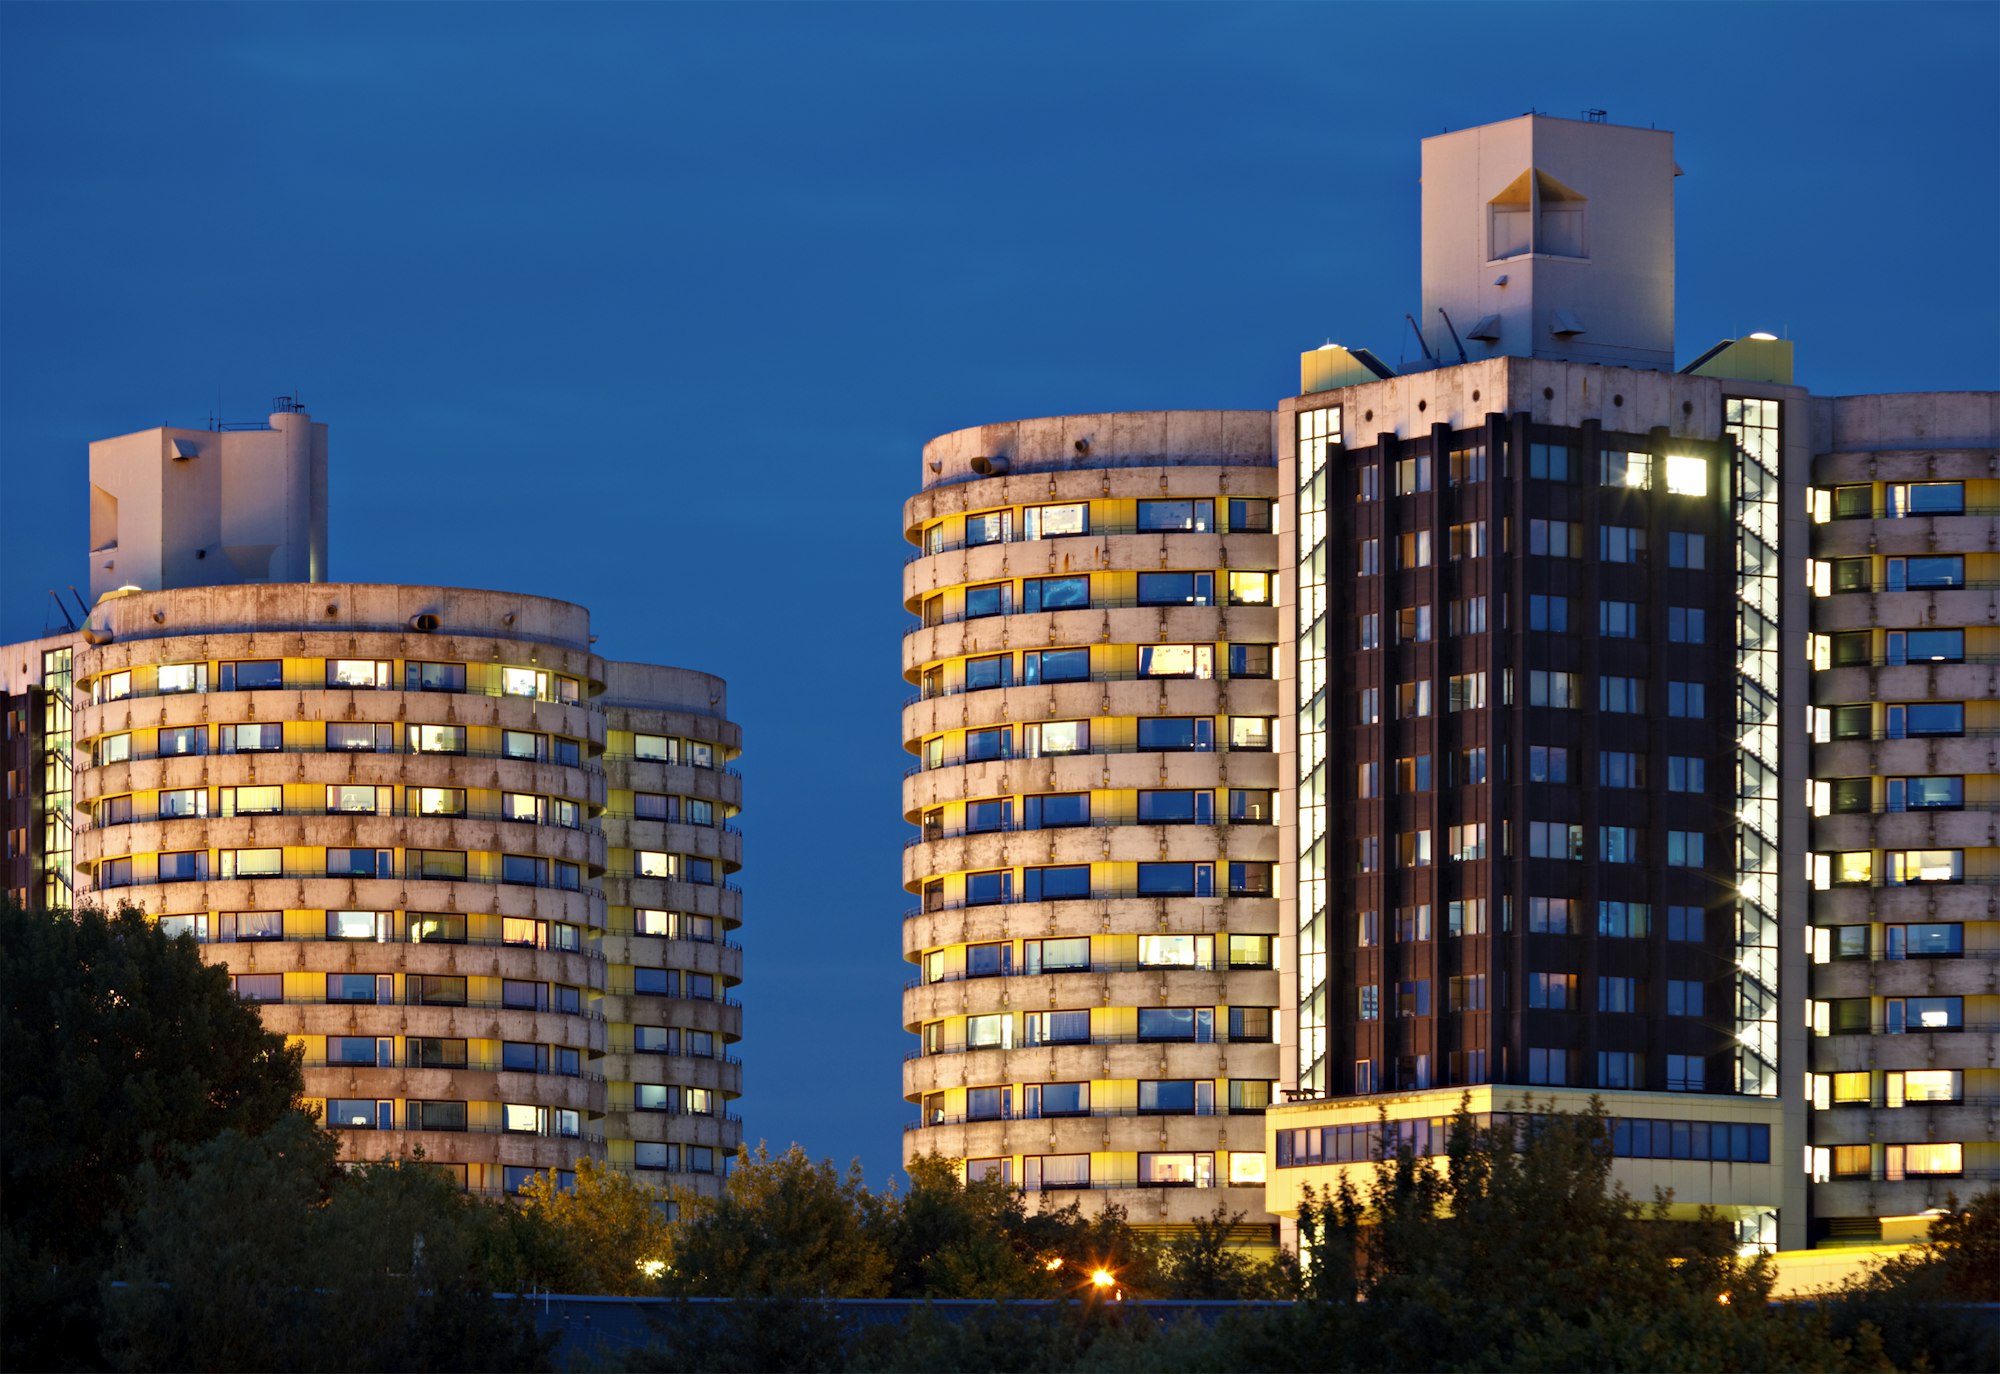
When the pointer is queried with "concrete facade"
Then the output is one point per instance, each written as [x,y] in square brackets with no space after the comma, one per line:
[1905,975]
[1093,796]
[176,507]
[384,810]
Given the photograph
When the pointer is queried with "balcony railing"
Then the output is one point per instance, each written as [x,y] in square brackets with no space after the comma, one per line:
[1095,966]
[1095,603]
[1095,1040]
[592,769]
[1095,822]
[1102,1113]
[1102,894]
[959,759]
[1127,675]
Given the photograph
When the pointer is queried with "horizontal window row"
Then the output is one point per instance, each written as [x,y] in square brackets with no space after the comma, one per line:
[1886,648]
[1849,796]
[669,982]
[1628,1138]
[453,865]
[680,868]
[1888,720]
[418,990]
[1083,954]
[1886,1088]
[674,1041]
[1887,500]
[1885,1015]
[1912,940]
[695,753]
[1073,882]
[276,674]
[1414,773]
[379,1052]
[1047,667]
[338,799]
[337,737]
[378,927]
[1062,810]
[673,1099]
[1620,844]
[1888,868]
[1246,515]
[1888,1163]
[656,1157]
[1039,1101]
[379,1114]
[1869,573]
[1075,592]
[1105,1026]
[1161,1169]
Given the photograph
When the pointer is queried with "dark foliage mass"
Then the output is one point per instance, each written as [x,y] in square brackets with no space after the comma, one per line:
[167,1205]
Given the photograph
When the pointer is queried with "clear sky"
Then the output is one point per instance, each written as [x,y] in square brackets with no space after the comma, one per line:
[651,307]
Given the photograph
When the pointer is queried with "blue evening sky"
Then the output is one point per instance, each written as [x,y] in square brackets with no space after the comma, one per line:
[651,307]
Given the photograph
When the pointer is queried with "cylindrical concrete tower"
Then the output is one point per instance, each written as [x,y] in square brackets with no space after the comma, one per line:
[1094,793]
[673,846]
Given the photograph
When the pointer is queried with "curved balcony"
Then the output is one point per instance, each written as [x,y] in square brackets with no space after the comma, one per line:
[345,830]
[724,785]
[578,1093]
[1973,975]
[1916,464]
[1975,604]
[1102,694]
[924,930]
[1971,827]
[317,891]
[1115,986]
[1118,1128]
[314,704]
[472,1021]
[1969,532]
[1974,681]
[1089,844]
[720,843]
[719,1075]
[929,647]
[1960,901]
[724,959]
[577,968]
[1107,548]
[490,1147]
[147,771]
[723,1018]
[624,1122]
[1108,1057]
[723,901]
[1971,1047]
[1111,768]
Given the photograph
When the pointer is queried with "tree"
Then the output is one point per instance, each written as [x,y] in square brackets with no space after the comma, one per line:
[606,1234]
[295,1264]
[122,1049]
[783,1227]
[1522,1254]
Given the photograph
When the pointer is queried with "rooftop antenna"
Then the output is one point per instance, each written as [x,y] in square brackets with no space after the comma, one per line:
[1420,338]
[62,611]
[1456,341]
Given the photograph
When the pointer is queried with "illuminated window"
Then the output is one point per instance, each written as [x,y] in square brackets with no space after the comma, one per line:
[1687,476]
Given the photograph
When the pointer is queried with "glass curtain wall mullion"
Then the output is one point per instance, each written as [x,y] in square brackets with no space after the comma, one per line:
[58,773]
[1318,439]
[1754,429]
